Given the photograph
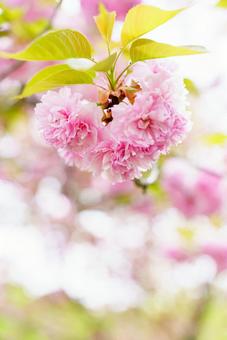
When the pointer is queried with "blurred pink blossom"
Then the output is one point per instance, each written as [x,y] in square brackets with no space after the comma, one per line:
[192,191]
[33,9]
[90,7]
[107,188]
[144,205]
[177,254]
[219,254]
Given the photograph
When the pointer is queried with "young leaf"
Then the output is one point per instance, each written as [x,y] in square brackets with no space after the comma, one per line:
[143,49]
[106,64]
[56,76]
[105,22]
[142,19]
[54,45]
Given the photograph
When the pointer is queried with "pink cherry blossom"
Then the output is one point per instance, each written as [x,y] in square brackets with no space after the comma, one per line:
[90,7]
[121,160]
[192,191]
[159,115]
[162,79]
[69,123]
[138,134]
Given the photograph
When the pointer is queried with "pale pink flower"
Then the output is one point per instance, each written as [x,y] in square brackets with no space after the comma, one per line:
[193,192]
[135,138]
[121,160]
[69,123]
[159,115]
[90,7]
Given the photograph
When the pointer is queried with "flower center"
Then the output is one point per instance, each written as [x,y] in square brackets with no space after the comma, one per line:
[82,132]
[144,123]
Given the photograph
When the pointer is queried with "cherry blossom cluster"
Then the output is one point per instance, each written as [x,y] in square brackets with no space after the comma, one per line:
[134,132]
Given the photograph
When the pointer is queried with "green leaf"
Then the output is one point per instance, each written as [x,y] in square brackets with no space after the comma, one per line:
[142,19]
[106,64]
[105,22]
[143,49]
[54,45]
[222,3]
[56,76]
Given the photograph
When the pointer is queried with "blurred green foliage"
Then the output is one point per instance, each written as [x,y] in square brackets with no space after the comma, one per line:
[213,324]
[222,3]
[18,27]
[51,317]
[161,317]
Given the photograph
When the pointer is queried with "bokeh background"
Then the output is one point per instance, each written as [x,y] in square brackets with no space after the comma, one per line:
[82,259]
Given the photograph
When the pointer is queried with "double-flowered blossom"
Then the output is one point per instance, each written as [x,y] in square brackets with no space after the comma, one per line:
[141,128]
[69,123]
[158,116]
[121,159]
